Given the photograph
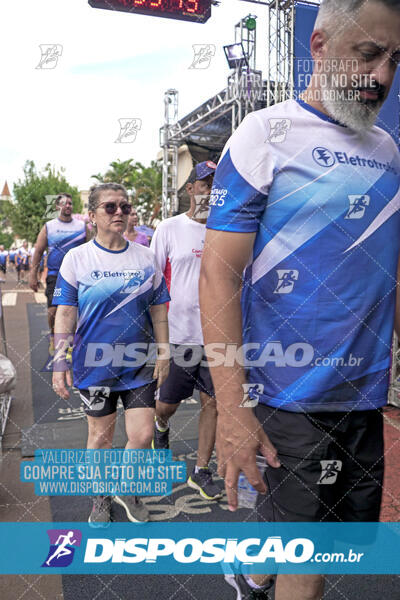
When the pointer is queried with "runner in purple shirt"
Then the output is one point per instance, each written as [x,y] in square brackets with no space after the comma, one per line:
[131,234]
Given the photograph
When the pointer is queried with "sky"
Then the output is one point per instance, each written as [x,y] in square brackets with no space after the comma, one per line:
[113,65]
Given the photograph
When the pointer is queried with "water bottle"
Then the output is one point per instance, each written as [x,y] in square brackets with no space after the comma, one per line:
[247,495]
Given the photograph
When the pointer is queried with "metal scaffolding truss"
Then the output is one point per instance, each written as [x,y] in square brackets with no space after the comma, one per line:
[280,50]
[201,117]
[170,154]
[281,37]
[213,121]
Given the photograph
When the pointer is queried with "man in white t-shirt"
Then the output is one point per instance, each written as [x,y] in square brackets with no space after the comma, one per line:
[178,245]
[22,262]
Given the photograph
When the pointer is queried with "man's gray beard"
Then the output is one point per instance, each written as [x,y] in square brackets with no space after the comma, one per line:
[350,112]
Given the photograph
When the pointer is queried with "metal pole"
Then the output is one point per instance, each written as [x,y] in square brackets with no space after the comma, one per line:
[2,326]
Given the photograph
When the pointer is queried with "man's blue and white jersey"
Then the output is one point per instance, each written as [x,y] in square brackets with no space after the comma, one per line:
[319,291]
[113,291]
[3,257]
[61,237]
[22,256]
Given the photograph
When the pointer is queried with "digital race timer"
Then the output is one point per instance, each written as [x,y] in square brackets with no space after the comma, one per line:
[198,11]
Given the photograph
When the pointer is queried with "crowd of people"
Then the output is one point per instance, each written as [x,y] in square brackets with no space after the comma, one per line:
[272,260]
[18,260]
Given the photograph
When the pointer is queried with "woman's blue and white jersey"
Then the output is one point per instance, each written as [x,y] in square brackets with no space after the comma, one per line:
[319,293]
[113,291]
[61,237]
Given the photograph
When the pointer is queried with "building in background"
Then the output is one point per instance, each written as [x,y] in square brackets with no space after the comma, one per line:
[84,194]
[5,194]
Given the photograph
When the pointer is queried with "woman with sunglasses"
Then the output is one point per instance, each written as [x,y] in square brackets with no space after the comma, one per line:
[112,296]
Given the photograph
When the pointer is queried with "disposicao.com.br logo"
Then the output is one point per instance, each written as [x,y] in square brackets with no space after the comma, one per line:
[212,550]
[62,547]
[200,548]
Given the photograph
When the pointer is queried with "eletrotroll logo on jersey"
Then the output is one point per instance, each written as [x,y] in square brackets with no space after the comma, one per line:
[126,274]
[326,158]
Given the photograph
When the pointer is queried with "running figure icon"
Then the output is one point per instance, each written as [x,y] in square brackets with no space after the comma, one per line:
[330,469]
[62,550]
[287,279]
[358,205]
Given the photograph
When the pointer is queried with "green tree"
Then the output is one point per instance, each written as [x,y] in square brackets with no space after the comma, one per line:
[144,183]
[6,237]
[122,172]
[34,199]
[6,240]
[148,186]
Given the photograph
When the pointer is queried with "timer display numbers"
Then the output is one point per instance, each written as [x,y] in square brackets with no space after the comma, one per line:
[198,11]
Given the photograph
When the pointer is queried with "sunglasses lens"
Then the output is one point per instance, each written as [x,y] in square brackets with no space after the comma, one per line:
[110,208]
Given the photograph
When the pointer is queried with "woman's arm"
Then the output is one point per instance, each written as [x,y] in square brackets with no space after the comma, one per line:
[159,316]
[64,329]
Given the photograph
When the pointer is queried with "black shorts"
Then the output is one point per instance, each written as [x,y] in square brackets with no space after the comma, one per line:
[3,269]
[186,373]
[100,401]
[332,466]
[23,267]
[51,281]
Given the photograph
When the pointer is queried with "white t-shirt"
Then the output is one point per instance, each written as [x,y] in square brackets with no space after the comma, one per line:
[178,245]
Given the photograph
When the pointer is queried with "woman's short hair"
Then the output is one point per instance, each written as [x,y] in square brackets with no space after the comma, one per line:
[97,190]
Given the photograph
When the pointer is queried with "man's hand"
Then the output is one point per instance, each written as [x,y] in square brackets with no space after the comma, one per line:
[33,281]
[161,370]
[240,437]
[62,379]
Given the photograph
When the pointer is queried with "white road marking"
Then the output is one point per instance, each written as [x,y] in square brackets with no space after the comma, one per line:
[9,299]
[40,298]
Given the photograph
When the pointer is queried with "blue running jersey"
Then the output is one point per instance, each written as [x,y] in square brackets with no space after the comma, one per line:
[319,293]
[61,237]
[113,291]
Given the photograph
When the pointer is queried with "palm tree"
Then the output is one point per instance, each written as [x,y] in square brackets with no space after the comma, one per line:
[144,183]
[120,171]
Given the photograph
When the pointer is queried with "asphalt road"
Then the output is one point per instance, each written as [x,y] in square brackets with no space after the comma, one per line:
[37,416]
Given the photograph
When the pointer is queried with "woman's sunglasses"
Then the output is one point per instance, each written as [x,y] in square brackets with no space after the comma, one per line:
[111,208]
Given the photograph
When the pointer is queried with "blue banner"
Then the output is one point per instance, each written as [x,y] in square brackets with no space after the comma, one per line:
[66,472]
[200,548]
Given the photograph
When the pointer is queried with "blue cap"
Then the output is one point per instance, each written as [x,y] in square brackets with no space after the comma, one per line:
[202,170]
